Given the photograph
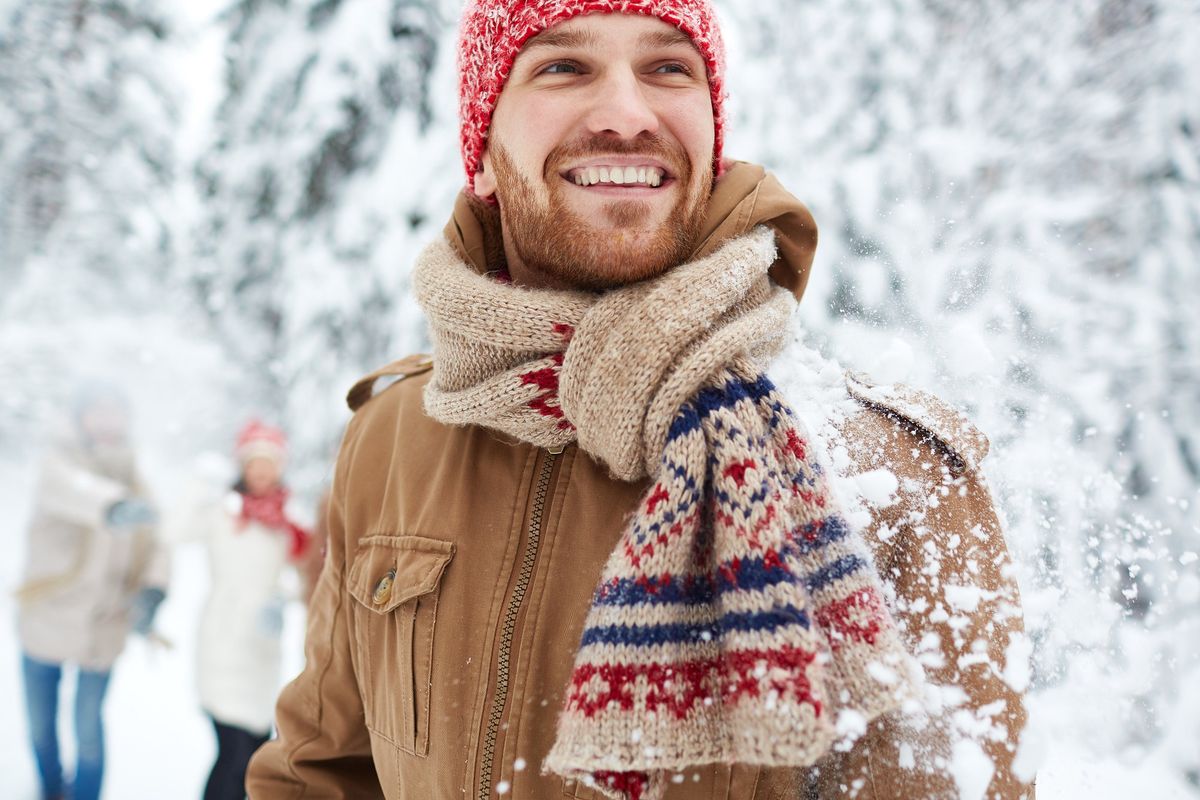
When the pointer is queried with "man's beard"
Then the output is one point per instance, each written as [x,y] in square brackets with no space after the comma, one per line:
[553,241]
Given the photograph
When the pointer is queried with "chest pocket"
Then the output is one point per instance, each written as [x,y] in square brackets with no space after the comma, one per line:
[394,580]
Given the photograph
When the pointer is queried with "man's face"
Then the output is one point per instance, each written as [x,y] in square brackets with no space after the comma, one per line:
[600,152]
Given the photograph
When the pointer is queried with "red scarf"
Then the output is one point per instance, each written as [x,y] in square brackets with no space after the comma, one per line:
[268,511]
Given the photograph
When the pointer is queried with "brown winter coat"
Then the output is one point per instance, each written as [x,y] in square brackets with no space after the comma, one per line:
[461,564]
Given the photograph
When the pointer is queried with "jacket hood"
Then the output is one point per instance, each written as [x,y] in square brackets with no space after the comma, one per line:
[746,195]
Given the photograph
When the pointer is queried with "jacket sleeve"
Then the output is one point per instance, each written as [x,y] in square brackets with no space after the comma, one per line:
[69,492]
[157,572]
[322,748]
[942,548]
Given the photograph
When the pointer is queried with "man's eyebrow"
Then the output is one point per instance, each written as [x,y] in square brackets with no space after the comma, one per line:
[560,39]
[579,39]
[666,39]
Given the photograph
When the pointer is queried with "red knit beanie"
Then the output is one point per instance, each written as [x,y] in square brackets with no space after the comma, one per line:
[258,440]
[494,31]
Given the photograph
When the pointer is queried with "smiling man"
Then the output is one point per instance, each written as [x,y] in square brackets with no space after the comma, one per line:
[588,197]
[588,549]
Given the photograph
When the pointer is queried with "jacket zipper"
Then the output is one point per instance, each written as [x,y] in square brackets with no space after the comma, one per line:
[500,698]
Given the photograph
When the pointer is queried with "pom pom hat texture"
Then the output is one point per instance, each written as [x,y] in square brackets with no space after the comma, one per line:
[259,440]
[493,32]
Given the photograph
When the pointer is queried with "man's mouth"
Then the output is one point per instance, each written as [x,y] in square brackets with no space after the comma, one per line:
[618,175]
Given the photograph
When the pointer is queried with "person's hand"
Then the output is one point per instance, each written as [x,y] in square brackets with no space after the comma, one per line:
[144,608]
[131,513]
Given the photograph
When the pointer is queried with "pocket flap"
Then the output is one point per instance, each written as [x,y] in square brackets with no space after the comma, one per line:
[390,570]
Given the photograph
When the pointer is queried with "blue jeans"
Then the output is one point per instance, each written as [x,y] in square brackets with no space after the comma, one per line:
[41,704]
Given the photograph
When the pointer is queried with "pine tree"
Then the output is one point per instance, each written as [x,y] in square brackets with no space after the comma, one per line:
[86,166]
[323,180]
[1008,197]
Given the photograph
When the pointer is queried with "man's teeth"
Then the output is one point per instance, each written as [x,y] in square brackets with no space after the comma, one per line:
[621,176]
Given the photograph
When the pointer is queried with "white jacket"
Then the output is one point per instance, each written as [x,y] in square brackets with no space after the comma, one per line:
[80,575]
[239,656]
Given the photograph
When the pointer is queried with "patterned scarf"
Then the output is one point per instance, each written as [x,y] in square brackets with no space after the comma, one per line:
[739,613]
[270,511]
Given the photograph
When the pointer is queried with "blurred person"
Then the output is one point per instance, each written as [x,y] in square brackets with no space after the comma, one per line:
[94,572]
[254,549]
[588,549]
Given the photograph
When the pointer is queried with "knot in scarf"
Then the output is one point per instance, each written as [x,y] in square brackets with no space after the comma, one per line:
[739,610]
[607,370]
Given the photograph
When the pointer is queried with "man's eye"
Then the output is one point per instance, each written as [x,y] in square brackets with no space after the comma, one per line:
[561,68]
[679,69]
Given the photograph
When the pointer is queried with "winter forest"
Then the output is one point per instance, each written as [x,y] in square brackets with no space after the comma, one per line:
[217,205]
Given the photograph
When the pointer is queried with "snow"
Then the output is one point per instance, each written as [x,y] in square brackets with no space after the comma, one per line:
[877,487]
[964,598]
[1017,662]
[884,674]
[972,770]
[851,724]
[1076,772]
[1009,216]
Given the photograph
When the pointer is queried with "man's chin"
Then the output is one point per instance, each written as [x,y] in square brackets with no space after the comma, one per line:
[616,274]
[608,259]
[602,246]
[628,241]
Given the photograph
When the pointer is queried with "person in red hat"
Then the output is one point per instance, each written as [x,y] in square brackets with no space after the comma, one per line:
[589,549]
[254,546]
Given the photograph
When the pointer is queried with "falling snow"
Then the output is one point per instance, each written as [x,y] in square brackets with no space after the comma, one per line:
[221,211]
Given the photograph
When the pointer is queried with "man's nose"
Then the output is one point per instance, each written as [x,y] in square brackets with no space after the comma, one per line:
[620,106]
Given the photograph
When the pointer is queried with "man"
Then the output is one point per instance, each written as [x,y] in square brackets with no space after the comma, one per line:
[589,550]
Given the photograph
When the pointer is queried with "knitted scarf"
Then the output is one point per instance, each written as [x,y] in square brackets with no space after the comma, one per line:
[270,511]
[739,612]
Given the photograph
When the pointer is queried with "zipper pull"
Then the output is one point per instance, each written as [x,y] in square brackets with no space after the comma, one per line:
[556,450]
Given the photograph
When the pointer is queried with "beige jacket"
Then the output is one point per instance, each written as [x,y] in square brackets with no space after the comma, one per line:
[81,576]
[461,564]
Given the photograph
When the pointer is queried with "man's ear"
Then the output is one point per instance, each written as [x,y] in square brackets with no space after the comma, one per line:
[485,179]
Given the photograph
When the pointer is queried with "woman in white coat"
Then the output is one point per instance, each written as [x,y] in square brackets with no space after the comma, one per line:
[252,544]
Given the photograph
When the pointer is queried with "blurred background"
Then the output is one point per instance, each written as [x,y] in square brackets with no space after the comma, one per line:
[217,205]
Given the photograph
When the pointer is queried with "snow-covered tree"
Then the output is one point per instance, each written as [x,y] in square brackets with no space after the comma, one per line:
[322,180]
[1010,200]
[87,163]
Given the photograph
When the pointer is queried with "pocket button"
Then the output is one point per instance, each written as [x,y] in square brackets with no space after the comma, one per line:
[383,589]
